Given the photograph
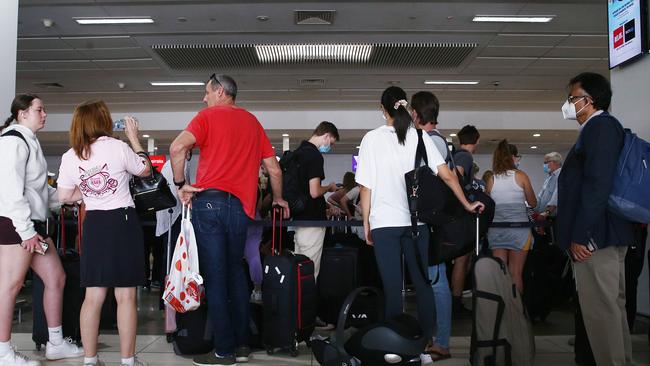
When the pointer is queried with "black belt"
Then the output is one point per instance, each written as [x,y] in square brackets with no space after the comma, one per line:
[216,193]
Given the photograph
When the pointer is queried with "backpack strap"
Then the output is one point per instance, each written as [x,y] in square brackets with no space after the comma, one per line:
[20,136]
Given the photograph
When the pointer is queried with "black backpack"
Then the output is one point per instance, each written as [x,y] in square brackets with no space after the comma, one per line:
[291,182]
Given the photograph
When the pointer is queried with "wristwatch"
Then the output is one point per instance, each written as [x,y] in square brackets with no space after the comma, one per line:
[179,184]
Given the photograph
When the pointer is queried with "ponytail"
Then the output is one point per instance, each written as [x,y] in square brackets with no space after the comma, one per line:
[20,103]
[502,159]
[393,99]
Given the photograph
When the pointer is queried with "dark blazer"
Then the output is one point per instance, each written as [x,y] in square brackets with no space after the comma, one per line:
[584,186]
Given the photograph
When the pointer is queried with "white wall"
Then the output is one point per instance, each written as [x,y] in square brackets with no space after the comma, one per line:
[356,120]
[8,40]
[631,85]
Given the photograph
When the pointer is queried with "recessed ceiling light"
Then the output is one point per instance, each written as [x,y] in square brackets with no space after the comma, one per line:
[450,82]
[513,19]
[310,52]
[285,135]
[533,147]
[358,147]
[452,135]
[177,83]
[114,20]
[155,148]
[537,134]
[262,18]
[145,136]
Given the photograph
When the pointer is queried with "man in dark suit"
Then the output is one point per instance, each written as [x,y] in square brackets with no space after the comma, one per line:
[596,238]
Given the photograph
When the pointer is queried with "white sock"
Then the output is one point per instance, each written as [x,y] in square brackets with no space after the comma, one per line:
[56,335]
[128,361]
[5,347]
[90,360]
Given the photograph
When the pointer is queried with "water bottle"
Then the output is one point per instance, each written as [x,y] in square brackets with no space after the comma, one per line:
[119,125]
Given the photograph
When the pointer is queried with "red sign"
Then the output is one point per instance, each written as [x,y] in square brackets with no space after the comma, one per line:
[158,161]
[618,37]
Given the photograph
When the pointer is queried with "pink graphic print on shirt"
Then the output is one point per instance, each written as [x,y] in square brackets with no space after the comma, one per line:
[97,181]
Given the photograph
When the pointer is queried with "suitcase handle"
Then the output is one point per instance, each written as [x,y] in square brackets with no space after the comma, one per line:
[277,211]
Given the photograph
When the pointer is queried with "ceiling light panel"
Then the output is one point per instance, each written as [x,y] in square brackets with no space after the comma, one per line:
[177,83]
[355,53]
[450,82]
[114,20]
[513,19]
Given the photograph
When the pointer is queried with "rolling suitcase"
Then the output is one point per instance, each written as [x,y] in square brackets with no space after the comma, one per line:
[338,277]
[501,331]
[288,296]
[72,298]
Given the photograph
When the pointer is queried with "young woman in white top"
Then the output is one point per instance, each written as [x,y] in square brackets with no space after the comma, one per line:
[510,189]
[24,203]
[386,154]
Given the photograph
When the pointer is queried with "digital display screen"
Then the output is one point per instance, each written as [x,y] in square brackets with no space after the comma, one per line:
[624,18]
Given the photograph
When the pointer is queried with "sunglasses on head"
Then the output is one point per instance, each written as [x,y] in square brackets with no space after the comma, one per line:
[213,77]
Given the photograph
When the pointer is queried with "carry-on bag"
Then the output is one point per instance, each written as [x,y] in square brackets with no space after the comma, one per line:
[501,330]
[288,295]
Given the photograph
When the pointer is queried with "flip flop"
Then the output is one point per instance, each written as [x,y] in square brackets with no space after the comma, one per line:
[437,356]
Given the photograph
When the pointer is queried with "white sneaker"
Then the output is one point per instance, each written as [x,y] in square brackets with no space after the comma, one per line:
[138,363]
[15,358]
[256,297]
[99,363]
[67,349]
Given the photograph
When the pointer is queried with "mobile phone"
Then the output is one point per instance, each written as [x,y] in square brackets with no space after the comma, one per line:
[591,245]
[44,245]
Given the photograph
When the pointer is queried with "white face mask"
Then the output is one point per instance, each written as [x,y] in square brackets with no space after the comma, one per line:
[569,110]
[383,115]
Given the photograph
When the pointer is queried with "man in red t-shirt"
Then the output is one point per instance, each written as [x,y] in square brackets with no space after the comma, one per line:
[232,145]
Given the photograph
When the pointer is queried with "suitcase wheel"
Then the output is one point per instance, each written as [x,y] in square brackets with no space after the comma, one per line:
[38,347]
[269,351]
[294,352]
[170,337]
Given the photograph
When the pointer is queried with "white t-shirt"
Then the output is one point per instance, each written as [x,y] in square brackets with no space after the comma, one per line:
[381,168]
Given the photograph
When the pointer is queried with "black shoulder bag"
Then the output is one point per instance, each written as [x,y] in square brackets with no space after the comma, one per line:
[151,193]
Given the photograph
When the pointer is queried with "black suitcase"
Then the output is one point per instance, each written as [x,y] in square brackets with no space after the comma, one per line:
[193,335]
[337,278]
[288,296]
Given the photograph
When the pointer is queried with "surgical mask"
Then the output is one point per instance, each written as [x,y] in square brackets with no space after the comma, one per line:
[517,165]
[547,169]
[325,148]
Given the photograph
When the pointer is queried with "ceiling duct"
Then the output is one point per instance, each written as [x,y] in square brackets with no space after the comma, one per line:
[403,56]
[314,17]
[311,83]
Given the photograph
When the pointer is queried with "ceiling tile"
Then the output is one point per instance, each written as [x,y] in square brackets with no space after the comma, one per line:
[513,51]
[539,40]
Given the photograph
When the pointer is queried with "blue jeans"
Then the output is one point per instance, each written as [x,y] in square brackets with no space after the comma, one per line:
[220,226]
[442,298]
[390,244]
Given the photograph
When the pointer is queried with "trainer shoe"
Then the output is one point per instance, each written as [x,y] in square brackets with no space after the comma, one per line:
[138,363]
[242,353]
[99,363]
[67,349]
[211,359]
[15,358]
[256,297]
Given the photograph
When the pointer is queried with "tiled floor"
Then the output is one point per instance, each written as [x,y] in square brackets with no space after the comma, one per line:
[551,340]
[551,351]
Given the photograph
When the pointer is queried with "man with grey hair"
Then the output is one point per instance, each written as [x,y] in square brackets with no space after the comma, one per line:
[232,146]
[547,196]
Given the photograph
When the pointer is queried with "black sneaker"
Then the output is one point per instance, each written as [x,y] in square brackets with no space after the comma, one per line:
[242,353]
[210,359]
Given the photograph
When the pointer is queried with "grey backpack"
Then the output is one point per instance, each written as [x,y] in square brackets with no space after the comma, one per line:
[501,331]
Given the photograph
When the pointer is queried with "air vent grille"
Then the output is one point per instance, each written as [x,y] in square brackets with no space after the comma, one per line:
[314,17]
[311,83]
[208,57]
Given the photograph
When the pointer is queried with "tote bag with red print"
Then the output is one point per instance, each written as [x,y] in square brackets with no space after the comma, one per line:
[184,287]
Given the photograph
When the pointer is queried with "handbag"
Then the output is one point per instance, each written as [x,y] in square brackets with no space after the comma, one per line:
[151,193]
[430,200]
[184,288]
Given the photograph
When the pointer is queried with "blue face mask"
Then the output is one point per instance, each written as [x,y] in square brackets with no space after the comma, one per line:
[547,169]
[325,149]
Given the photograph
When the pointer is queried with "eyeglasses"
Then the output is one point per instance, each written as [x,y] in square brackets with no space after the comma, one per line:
[572,98]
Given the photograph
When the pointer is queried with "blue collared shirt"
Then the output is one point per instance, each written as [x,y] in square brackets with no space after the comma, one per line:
[548,195]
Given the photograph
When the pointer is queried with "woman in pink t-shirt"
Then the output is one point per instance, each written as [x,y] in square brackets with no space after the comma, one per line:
[97,170]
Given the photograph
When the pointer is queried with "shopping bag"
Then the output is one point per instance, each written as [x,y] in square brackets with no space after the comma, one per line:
[184,286]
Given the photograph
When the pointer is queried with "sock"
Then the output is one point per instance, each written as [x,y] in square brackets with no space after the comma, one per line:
[56,335]
[128,361]
[5,347]
[90,360]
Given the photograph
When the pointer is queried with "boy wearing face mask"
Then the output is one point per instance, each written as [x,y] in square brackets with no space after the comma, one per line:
[309,240]
[596,238]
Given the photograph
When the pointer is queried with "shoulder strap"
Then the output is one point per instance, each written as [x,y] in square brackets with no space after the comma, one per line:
[20,136]
[421,151]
